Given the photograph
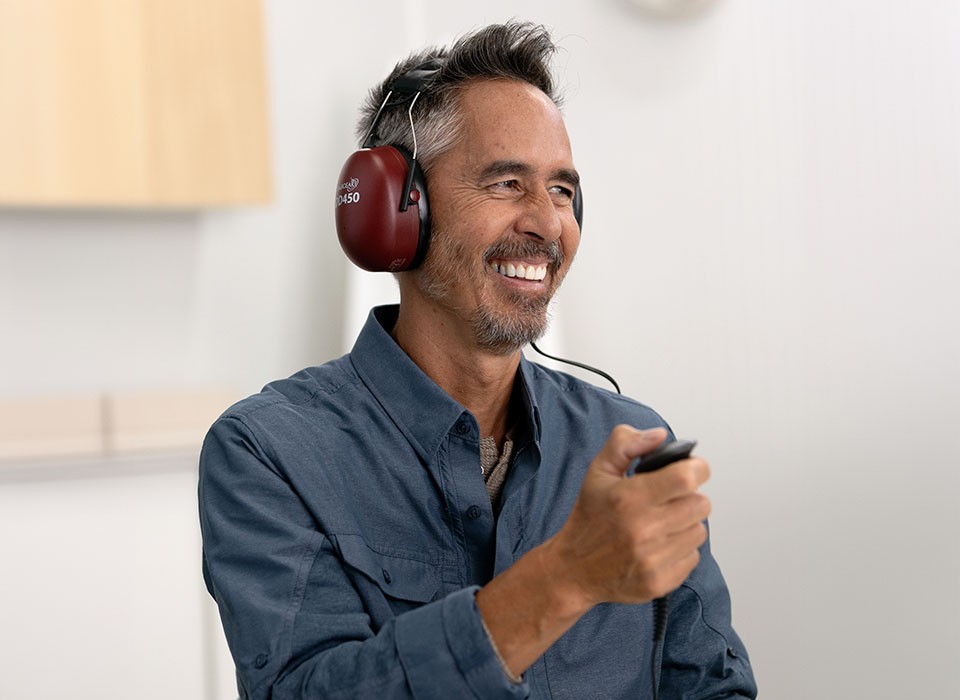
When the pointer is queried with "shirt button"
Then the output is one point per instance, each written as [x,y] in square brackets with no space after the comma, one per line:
[261,660]
[386,576]
[474,512]
[463,428]
[732,653]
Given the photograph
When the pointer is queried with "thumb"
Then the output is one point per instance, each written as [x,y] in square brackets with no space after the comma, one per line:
[624,445]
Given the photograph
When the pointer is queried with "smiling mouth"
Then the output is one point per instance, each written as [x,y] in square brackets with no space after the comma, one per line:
[524,271]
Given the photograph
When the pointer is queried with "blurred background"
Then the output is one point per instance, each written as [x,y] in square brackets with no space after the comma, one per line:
[770,258]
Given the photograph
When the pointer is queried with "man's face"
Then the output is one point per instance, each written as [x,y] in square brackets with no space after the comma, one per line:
[504,232]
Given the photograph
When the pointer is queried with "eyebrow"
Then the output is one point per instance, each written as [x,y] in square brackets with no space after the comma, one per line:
[499,168]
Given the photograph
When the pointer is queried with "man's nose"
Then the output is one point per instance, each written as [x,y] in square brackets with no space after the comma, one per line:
[540,217]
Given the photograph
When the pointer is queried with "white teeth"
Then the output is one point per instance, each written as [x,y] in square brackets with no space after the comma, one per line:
[534,273]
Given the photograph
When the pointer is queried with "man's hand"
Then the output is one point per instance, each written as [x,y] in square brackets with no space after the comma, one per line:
[630,540]
[627,540]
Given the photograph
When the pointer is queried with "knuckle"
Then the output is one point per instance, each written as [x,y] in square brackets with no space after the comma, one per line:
[704,507]
[704,467]
[684,479]
[688,565]
[702,537]
[625,492]
[646,575]
[661,583]
[622,432]
[643,534]
[619,501]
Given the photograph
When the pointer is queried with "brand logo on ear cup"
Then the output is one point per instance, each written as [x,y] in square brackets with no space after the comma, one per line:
[347,192]
[348,198]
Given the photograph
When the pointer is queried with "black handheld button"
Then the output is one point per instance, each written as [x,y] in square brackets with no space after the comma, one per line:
[667,453]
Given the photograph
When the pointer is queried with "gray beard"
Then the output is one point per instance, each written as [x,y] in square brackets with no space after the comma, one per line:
[505,335]
[502,334]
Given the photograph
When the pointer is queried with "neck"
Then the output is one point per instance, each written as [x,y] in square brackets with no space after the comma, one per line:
[479,380]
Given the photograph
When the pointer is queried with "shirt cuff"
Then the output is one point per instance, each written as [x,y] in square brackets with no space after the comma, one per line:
[470,659]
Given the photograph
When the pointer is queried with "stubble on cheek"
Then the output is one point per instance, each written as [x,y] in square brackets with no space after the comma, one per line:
[501,325]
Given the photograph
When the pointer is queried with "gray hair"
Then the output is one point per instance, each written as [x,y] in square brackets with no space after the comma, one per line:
[513,51]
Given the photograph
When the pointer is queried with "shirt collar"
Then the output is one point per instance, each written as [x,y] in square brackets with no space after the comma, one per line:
[415,403]
[527,372]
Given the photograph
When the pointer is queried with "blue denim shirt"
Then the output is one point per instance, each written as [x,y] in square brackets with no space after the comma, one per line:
[346,530]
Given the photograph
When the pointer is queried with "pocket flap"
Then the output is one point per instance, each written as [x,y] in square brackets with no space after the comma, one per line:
[398,574]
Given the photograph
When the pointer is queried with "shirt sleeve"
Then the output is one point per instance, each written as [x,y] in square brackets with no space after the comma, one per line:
[703,656]
[295,624]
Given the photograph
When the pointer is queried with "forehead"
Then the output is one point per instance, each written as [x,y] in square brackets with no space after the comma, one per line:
[510,120]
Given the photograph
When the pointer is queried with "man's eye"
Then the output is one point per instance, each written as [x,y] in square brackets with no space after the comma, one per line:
[505,185]
[560,191]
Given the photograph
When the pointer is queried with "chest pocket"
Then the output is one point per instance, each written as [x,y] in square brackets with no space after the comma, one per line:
[389,580]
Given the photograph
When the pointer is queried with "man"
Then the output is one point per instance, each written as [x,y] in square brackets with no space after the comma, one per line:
[433,516]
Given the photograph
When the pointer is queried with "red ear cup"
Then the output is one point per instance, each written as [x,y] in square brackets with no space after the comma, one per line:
[373,231]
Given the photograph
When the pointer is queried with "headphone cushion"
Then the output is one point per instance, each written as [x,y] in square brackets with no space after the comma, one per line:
[374,233]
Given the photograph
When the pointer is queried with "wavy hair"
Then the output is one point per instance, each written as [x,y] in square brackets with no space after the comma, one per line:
[514,51]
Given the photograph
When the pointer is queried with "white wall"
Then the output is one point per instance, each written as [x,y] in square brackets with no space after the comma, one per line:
[96,597]
[779,234]
[770,258]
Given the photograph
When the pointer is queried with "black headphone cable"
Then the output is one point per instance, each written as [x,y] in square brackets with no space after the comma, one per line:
[580,365]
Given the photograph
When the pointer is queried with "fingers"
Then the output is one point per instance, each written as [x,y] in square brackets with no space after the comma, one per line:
[672,527]
[680,514]
[677,479]
[632,539]
[626,444]
[668,565]
[648,491]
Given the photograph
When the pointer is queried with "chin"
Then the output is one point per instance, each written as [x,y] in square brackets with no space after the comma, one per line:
[504,335]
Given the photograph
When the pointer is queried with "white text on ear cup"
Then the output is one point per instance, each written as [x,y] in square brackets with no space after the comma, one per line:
[348,198]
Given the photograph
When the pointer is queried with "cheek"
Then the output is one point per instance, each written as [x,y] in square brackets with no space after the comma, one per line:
[570,243]
[448,254]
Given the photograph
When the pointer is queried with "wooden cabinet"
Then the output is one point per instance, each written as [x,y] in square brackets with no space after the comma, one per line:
[132,103]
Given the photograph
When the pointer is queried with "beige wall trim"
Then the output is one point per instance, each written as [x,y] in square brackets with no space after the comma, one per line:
[45,428]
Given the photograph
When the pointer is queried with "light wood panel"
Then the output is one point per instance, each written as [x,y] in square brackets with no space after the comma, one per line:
[51,427]
[132,103]
[98,425]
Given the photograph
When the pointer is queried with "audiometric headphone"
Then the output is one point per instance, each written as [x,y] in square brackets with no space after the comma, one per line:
[382,213]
